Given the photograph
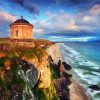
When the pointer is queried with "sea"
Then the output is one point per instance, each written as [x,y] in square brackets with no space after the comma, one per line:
[84,57]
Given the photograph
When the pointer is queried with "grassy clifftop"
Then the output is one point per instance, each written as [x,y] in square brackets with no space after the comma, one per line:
[13,84]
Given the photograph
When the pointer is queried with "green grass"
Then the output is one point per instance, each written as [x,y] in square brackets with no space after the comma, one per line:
[46,93]
[38,53]
[26,52]
[54,73]
[2,60]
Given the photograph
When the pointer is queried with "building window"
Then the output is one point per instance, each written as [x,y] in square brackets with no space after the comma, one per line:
[16,33]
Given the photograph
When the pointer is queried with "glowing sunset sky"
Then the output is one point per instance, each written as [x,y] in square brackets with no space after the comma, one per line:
[57,20]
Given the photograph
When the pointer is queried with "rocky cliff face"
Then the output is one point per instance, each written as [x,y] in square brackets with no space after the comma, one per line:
[43,68]
[45,75]
[22,69]
[16,82]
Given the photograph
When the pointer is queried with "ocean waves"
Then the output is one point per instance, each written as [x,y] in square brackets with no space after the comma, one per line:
[85,69]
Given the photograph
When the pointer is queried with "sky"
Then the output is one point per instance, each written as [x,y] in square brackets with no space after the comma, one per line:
[56,20]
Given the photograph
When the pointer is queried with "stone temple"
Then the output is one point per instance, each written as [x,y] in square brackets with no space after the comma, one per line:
[21,29]
[20,35]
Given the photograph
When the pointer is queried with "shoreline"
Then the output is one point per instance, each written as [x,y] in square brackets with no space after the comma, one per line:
[55,52]
[77,92]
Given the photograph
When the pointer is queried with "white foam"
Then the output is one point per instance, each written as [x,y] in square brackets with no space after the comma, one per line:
[76,56]
[75,59]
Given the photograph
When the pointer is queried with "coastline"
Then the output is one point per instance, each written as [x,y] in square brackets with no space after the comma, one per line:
[54,52]
[77,92]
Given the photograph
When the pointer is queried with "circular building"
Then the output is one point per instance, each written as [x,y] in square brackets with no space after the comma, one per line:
[21,29]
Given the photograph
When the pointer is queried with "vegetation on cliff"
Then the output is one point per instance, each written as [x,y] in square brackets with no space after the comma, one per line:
[13,85]
[13,75]
[47,93]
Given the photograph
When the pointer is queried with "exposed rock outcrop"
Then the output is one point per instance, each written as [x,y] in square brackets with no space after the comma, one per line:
[66,66]
[32,60]
[72,89]
[43,69]
[16,83]
[62,89]
[45,74]
[31,73]
[95,87]
[62,83]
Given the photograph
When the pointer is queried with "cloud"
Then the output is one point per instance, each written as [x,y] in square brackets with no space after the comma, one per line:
[62,22]
[39,31]
[5,21]
[56,23]
[88,19]
[91,18]
[6,16]
[95,10]
[28,5]
[78,5]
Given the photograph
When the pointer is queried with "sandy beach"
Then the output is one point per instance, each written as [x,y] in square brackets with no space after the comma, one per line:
[77,92]
[54,52]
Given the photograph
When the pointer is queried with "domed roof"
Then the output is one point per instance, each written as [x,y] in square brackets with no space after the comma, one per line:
[21,21]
